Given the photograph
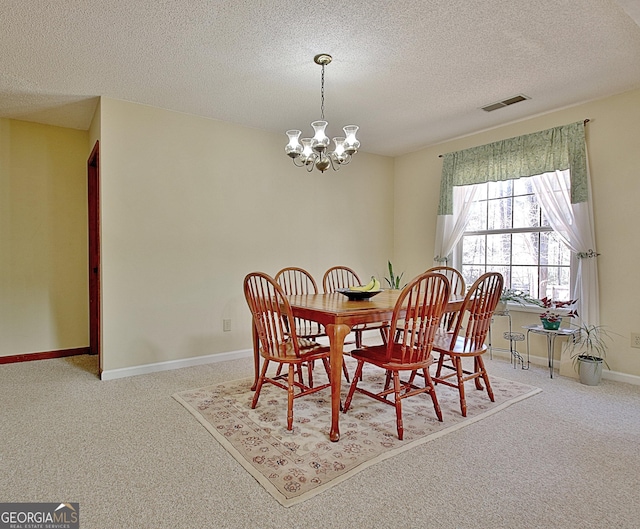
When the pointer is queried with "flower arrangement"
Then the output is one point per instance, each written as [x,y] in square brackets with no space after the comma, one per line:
[551,312]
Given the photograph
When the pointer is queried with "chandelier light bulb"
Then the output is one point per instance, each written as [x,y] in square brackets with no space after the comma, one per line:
[307,150]
[320,139]
[293,148]
[351,143]
[339,151]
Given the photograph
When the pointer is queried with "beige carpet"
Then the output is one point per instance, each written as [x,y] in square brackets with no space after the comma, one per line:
[294,466]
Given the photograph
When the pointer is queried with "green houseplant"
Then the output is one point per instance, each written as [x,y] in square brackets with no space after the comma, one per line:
[552,317]
[393,280]
[588,350]
[515,296]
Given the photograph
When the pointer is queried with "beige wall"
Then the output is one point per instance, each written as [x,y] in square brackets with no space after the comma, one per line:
[191,205]
[186,214]
[43,238]
[614,155]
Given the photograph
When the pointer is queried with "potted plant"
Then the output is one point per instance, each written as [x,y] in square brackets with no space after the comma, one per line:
[515,296]
[393,280]
[588,349]
[552,316]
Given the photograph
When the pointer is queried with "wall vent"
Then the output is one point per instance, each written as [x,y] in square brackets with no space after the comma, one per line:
[505,103]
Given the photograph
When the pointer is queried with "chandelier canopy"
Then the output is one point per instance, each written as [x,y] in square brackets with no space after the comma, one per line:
[313,152]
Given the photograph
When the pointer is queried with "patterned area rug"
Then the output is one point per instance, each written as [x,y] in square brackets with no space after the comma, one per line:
[294,466]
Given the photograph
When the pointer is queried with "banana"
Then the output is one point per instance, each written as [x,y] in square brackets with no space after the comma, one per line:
[377,285]
[371,285]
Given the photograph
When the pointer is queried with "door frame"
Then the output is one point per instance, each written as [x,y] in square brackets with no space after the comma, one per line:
[95,305]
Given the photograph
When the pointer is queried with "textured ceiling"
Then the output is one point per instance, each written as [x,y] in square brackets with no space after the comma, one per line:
[410,73]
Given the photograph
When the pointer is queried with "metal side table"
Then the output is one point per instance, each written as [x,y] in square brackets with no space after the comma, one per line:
[513,338]
[551,338]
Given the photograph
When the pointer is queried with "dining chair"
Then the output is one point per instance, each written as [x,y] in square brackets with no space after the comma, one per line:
[418,312]
[279,341]
[466,340]
[458,288]
[344,277]
[339,277]
[297,281]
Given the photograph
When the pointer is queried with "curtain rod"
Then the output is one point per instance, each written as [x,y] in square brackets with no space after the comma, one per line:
[585,122]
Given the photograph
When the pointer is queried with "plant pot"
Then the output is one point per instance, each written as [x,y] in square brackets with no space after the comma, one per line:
[550,325]
[590,370]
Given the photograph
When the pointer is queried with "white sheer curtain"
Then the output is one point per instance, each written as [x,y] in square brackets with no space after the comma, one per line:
[569,204]
[449,228]
[574,225]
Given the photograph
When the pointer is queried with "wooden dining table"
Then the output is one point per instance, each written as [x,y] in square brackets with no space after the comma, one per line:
[339,315]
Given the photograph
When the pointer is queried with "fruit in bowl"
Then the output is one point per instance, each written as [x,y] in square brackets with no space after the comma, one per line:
[374,284]
[359,292]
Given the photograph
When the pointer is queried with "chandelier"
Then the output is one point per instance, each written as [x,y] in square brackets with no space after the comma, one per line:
[313,152]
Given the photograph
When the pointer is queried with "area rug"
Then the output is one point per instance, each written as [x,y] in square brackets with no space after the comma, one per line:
[294,466]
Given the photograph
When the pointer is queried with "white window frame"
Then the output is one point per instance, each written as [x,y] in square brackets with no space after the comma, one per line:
[457,254]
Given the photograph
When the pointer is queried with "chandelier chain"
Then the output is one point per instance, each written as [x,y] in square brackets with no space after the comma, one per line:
[322,95]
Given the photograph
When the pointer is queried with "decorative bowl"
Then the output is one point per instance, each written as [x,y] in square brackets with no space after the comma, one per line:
[357,295]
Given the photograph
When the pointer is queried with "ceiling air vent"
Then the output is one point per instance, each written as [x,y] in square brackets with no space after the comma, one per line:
[505,103]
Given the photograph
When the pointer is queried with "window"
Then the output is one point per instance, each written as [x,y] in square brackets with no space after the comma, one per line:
[508,233]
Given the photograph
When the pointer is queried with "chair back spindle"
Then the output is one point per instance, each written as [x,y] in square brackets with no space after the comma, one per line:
[296,281]
[271,315]
[423,300]
[339,277]
[478,307]
[457,291]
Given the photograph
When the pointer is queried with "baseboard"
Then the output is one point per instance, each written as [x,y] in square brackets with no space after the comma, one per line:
[46,355]
[621,377]
[111,374]
[543,361]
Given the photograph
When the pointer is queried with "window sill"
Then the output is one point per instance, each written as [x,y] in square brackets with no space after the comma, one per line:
[516,307]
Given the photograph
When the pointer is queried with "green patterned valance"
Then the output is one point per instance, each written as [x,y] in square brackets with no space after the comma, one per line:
[559,148]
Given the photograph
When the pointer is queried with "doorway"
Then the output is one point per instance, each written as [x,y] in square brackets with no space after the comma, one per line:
[93,194]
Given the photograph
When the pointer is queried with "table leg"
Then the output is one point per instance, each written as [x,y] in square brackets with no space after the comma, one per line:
[256,356]
[336,335]
[550,353]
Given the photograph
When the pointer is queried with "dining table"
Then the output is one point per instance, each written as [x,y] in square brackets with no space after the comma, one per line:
[338,315]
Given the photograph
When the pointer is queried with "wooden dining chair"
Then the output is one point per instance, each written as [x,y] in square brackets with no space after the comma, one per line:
[344,277]
[418,312]
[297,281]
[339,277]
[458,290]
[466,340]
[279,342]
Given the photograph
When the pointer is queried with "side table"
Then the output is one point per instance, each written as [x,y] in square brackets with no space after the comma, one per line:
[513,338]
[551,338]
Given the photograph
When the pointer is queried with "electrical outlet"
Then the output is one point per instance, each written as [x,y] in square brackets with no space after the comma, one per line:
[226,326]
[635,339]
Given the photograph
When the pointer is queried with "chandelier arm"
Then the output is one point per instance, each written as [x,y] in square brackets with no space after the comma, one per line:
[311,162]
[335,164]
